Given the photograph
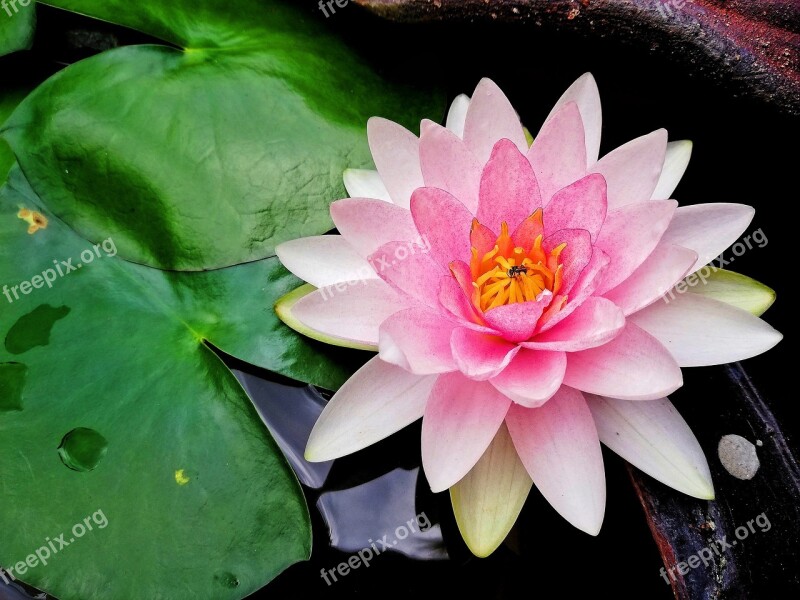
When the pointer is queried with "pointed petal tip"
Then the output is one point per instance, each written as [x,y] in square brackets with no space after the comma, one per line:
[316,452]
[592,529]
[438,487]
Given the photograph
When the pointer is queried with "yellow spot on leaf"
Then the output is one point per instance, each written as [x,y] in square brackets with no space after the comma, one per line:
[34,219]
[181,478]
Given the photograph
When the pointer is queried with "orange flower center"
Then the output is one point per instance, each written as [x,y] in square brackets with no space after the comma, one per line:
[513,272]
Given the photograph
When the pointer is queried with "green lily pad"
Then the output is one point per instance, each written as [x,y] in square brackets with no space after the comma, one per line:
[9,100]
[209,154]
[118,407]
[17,25]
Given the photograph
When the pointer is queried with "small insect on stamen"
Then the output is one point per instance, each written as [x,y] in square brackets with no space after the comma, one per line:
[517,270]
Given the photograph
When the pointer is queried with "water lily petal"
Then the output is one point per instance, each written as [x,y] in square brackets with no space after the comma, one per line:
[284,307]
[453,299]
[377,401]
[558,153]
[395,151]
[559,447]
[410,269]
[584,93]
[418,340]
[508,190]
[595,322]
[653,278]
[457,114]
[532,377]
[365,183]
[733,288]
[350,314]
[700,331]
[632,366]
[629,236]
[708,229]
[481,356]
[654,437]
[633,170]
[444,224]
[324,260]
[574,258]
[490,117]
[488,500]
[517,322]
[590,278]
[461,419]
[368,224]
[448,164]
[581,205]
[675,163]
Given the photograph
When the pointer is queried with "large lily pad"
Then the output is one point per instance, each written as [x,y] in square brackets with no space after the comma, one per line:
[113,401]
[207,154]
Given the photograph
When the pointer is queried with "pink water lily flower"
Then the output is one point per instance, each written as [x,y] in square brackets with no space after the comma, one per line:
[515,294]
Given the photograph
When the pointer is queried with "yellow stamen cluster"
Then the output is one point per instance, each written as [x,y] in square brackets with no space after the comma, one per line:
[508,273]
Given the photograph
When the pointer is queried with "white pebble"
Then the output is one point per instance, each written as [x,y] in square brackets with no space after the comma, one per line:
[738,456]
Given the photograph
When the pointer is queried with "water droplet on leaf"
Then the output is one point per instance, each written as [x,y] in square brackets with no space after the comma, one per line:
[82,449]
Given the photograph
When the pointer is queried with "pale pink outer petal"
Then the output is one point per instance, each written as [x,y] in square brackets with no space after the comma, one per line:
[654,437]
[517,322]
[700,331]
[351,314]
[632,366]
[632,170]
[584,93]
[532,377]
[368,224]
[480,356]
[508,191]
[365,183]
[581,205]
[595,322]
[377,401]
[395,151]
[629,236]
[708,229]
[449,165]
[490,118]
[417,340]
[654,278]
[559,446]
[461,419]
[675,163]
[457,114]
[488,500]
[324,260]
[443,223]
[558,153]
[409,269]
